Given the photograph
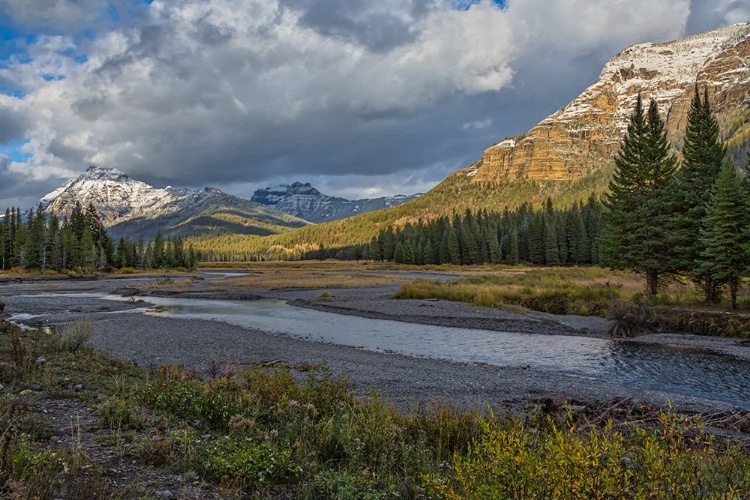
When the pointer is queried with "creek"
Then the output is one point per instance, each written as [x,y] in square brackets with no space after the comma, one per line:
[672,369]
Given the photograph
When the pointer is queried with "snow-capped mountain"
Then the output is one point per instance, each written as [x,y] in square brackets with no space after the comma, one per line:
[306,202]
[133,208]
[583,135]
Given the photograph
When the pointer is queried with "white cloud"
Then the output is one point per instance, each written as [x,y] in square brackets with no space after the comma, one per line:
[222,91]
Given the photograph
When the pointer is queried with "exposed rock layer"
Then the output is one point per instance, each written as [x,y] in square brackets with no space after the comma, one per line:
[581,136]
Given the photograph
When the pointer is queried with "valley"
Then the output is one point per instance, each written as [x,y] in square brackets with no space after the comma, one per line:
[300,345]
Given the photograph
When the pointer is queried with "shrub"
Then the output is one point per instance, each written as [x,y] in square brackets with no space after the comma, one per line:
[247,464]
[675,460]
[75,334]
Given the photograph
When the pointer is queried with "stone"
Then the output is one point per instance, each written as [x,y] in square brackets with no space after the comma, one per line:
[41,360]
[165,494]
[78,387]
[34,387]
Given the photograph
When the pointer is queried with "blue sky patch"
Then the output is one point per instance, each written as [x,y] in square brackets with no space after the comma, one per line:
[13,151]
[465,4]
[12,91]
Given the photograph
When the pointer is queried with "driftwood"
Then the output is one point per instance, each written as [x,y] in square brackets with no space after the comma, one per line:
[729,425]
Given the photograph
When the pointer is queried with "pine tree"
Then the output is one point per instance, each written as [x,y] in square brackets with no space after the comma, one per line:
[551,252]
[454,250]
[513,247]
[635,234]
[725,236]
[398,254]
[703,154]
[428,252]
[496,255]
[536,239]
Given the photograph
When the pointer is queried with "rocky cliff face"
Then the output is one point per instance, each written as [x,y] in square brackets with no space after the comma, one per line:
[587,132]
[306,202]
[131,208]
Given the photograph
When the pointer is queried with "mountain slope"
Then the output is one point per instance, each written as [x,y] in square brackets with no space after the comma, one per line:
[579,137]
[134,209]
[568,155]
[306,202]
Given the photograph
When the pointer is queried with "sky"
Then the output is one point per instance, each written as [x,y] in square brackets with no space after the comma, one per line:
[362,98]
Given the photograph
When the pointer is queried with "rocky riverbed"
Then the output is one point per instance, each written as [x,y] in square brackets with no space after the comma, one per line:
[122,330]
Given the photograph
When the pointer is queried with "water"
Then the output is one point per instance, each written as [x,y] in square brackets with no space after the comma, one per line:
[683,371]
[688,372]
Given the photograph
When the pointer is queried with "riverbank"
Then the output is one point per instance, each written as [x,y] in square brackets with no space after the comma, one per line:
[402,379]
[80,424]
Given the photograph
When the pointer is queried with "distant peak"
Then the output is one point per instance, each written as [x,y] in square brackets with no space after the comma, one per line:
[104,173]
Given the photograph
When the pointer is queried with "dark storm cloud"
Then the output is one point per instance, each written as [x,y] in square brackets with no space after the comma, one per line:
[354,20]
[709,14]
[356,93]
[12,127]
[18,189]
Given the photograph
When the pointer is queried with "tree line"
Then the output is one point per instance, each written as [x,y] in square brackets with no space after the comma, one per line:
[41,242]
[665,221]
[547,236]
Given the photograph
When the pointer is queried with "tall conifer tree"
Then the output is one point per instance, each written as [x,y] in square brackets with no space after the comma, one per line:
[725,236]
[703,154]
[637,221]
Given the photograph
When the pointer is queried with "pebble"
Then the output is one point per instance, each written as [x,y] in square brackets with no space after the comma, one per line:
[165,494]
[41,360]
[34,387]
[78,387]
[2,387]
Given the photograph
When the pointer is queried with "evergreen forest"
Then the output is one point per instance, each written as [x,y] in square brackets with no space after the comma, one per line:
[80,243]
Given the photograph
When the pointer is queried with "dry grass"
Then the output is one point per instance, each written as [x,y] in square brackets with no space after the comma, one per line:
[562,290]
[310,278]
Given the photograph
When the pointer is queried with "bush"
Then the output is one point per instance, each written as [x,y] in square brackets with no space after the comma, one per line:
[75,335]
[674,460]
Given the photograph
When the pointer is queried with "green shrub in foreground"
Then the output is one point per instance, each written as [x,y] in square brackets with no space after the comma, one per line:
[314,439]
[674,460]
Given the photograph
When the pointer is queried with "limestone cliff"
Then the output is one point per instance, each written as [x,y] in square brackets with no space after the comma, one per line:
[586,133]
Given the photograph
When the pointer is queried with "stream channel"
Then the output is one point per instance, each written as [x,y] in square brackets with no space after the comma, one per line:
[670,369]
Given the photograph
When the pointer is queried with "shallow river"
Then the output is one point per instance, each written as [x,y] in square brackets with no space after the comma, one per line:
[677,370]
[689,372]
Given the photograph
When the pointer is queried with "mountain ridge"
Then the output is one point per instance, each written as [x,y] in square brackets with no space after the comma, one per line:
[306,202]
[131,208]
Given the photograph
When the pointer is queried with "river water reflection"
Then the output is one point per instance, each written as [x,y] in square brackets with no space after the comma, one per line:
[689,372]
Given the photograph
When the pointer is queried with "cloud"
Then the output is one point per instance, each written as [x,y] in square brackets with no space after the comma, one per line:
[67,16]
[707,15]
[353,93]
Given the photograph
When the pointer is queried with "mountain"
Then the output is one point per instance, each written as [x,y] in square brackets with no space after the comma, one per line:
[306,202]
[568,155]
[578,138]
[134,209]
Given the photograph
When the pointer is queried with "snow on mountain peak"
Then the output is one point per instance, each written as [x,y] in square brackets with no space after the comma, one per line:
[119,197]
[104,173]
[304,201]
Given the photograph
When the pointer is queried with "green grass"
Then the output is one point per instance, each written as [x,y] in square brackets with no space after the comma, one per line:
[266,433]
